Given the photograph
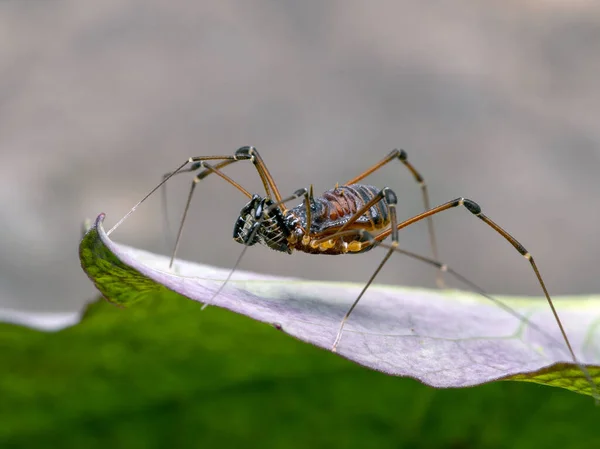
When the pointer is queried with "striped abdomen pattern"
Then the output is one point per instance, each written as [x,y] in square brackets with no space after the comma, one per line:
[336,206]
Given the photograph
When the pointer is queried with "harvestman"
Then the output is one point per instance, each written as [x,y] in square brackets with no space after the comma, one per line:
[349,219]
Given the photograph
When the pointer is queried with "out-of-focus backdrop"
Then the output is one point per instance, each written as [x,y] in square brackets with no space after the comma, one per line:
[498,102]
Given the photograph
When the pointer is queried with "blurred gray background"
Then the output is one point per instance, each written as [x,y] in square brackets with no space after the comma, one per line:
[496,101]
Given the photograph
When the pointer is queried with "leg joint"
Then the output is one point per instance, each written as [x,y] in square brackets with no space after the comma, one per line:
[471,206]
[246,152]
[522,250]
[390,197]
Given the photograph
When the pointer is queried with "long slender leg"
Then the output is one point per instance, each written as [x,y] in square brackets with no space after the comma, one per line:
[243,153]
[215,169]
[193,168]
[403,157]
[265,174]
[177,170]
[191,160]
[249,152]
[391,200]
[196,180]
[374,240]
[475,209]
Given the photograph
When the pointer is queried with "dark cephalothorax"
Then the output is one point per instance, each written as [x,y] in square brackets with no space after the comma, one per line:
[259,223]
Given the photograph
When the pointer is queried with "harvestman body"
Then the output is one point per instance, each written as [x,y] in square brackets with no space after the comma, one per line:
[349,219]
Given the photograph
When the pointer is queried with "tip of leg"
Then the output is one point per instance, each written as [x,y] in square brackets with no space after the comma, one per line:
[439,280]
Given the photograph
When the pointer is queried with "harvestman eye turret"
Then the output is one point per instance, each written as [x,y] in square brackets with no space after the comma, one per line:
[349,219]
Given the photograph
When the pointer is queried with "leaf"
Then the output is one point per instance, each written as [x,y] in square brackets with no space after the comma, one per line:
[165,374]
[442,338]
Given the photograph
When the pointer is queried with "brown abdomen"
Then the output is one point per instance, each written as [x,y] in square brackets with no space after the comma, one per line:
[338,205]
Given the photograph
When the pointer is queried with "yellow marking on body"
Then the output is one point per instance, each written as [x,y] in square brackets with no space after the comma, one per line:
[306,240]
[327,245]
[355,246]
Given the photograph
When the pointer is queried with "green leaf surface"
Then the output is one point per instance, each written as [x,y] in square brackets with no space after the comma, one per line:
[165,374]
